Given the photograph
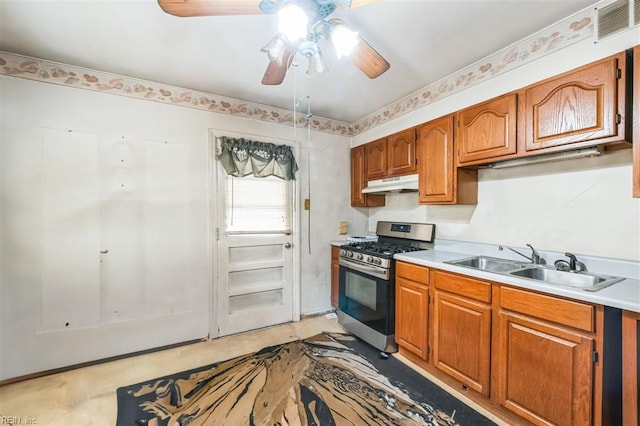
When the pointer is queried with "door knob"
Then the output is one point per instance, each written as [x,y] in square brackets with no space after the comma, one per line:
[287,245]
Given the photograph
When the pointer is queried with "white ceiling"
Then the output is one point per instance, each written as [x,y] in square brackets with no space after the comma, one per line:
[422,40]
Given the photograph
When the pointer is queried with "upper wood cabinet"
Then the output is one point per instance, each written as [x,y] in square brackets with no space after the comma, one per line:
[394,155]
[487,130]
[376,159]
[636,121]
[359,181]
[440,181]
[401,153]
[584,105]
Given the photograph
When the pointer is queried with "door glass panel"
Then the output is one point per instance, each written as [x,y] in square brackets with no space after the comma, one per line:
[258,205]
[361,290]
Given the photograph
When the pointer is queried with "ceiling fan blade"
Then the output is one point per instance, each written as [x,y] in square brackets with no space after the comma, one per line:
[368,59]
[184,8]
[276,71]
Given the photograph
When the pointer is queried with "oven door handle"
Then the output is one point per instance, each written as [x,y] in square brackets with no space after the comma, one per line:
[371,270]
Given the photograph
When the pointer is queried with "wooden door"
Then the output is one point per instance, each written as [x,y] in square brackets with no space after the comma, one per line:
[436,166]
[575,107]
[487,130]
[376,159]
[545,371]
[254,285]
[411,316]
[401,153]
[335,275]
[461,339]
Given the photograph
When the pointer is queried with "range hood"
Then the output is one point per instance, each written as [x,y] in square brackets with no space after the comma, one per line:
[407,183]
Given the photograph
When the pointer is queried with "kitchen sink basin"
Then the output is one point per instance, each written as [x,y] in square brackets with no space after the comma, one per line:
[490,264]
[583,280]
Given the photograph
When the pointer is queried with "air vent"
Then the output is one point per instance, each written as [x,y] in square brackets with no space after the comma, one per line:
[636,12]
[613,18]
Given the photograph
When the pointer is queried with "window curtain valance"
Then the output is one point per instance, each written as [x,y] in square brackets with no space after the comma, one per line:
[242,157]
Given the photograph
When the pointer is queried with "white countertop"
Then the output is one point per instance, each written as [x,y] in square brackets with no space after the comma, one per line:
[623,295]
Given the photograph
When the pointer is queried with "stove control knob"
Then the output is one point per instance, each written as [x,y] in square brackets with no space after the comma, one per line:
[343,252]
[377,261]
[359,256]
[370,259]
[350,253]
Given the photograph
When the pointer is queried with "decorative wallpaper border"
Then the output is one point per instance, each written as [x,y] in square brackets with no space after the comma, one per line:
[571,30]
[83,78]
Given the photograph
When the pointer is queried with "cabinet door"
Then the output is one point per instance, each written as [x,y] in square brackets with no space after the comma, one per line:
[401,153]
[335,275]
[487,130]
[411,316]
[461,339]
[575,107]
[436,167]
[545,371]
[376,159]
[358,182]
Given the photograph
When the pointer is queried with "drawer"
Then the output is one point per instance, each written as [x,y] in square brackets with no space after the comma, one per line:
[412,272]
[566,312]
[463,286]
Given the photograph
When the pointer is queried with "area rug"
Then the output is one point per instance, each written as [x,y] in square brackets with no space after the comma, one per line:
[328,379]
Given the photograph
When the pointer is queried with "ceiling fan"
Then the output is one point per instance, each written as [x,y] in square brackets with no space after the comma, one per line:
[302,24]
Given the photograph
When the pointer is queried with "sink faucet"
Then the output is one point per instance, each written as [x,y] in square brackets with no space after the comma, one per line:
[573,265]
[535,258]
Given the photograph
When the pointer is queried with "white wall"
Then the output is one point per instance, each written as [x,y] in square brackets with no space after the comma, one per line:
[27,108]
[583,206]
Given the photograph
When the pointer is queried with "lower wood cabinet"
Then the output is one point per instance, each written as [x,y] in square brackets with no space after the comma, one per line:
[412,308]
[543,360]
[335,275]
[530,358]
[462,329]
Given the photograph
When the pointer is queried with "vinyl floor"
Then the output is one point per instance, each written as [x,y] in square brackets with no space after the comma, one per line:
[87,395]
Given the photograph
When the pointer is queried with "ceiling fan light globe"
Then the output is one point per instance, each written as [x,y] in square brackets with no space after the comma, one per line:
[275,49]
[316,65]
[293,22]
[344,40]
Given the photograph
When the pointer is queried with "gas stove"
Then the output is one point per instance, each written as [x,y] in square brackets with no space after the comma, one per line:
[366,289]
[393,238]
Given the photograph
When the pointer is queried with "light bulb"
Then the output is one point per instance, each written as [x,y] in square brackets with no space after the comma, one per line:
[292,22]
[344,40]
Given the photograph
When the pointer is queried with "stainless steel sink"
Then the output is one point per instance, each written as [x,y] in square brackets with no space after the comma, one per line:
[583,280]
[490,264]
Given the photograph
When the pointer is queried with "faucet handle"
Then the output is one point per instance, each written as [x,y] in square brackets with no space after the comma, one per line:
[535,256]
[574,264]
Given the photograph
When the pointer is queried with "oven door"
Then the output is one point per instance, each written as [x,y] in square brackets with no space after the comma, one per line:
[367,296]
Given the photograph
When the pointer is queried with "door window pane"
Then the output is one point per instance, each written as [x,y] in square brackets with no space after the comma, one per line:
[258,204]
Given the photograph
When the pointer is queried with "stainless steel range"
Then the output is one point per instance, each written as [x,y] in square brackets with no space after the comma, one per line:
[366,298]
